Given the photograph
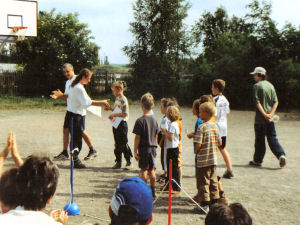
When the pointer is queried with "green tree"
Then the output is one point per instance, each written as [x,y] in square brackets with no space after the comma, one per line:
[160,42]
[61,38]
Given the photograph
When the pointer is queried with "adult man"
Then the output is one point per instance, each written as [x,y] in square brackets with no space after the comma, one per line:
[131,203]
[70,75]
[266,101]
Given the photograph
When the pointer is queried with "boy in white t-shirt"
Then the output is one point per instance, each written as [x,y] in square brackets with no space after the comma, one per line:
[222,112]
[172,141]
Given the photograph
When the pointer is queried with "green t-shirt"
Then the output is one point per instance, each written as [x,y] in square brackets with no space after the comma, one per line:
[265,94]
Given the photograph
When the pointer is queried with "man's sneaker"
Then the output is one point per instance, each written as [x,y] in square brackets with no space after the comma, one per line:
[128,166]
[61,157]
[228,174]
[78,164]
[282,161]
[253,163]
[91,155]
[117,166]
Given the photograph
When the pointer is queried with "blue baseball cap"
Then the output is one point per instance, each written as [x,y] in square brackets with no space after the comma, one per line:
[133,192]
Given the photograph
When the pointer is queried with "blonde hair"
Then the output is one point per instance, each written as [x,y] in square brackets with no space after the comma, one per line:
[147,101]
[208,107]
[173,113]
[206,98]
[119,85]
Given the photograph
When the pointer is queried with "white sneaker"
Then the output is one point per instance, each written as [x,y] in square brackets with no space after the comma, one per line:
[282,161]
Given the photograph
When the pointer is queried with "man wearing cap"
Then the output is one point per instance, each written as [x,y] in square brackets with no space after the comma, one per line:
[131,203]
[265,98]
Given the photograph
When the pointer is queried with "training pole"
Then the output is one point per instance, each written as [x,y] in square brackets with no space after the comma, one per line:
[71,158]
[72,208]
[170,193]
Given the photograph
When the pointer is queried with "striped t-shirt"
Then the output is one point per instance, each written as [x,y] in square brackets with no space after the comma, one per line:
[208,136]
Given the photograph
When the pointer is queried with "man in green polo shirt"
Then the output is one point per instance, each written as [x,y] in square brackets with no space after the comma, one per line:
[265,99]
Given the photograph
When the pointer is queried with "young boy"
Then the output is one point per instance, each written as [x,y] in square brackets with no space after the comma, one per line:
[208,141]
[145,141]
[222,112]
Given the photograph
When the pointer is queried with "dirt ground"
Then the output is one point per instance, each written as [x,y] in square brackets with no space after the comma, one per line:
[270,194]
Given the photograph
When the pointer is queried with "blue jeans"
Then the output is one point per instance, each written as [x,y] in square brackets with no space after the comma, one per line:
[262,130]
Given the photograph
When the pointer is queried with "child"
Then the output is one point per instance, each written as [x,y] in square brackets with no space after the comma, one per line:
[195,111]
[161,138]
[145,141]
[207,140]
[172,141]
[121,132]
[222,112]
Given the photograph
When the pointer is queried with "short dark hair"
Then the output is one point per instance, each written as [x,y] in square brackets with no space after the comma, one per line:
[36,182]
[219,214]
[8,188]
[126,216]
[206,98]
[240,214]
[196,105]
[234,214]
[219,84]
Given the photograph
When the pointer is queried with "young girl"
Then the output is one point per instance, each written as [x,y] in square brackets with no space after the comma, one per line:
[172,141]
[121,132]
[79,101]
[161,138]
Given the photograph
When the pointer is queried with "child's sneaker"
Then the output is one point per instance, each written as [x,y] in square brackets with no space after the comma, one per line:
[228,174]
[282,161]
[117,166]
[253,163]
[78,164]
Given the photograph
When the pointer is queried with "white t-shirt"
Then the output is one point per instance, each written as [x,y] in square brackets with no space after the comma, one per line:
[68,85]
[173,129]
[164,124]
[78,100]
[19,216]
[222,109]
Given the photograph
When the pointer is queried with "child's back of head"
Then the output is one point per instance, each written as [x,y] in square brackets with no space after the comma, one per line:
[206,98]
[9,197]
[219,84]
[173,113]
[36,182]
[147,101]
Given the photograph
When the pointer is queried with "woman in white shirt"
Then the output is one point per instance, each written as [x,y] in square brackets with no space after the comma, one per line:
[78,102]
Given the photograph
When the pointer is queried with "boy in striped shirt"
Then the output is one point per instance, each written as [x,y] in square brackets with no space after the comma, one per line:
[207,141]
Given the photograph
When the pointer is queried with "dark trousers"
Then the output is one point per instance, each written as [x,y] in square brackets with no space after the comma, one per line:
[162,158]
[266,130]
[173,154]
[121,140]
[77,132]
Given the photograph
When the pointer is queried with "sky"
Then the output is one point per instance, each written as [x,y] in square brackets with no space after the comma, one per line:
[109,19]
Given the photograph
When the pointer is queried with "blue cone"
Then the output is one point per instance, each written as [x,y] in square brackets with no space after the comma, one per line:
[72,209]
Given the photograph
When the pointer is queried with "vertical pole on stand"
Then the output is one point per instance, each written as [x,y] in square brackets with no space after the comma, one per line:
[170,193]
[71,154]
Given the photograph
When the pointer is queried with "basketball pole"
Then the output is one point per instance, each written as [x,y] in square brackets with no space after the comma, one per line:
[72,208]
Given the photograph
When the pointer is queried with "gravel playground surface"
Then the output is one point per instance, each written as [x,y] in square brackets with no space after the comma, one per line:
[270,194]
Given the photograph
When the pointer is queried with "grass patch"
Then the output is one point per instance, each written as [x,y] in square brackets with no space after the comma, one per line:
[17,102]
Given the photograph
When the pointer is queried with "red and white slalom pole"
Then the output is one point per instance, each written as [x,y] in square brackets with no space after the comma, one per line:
[170,193]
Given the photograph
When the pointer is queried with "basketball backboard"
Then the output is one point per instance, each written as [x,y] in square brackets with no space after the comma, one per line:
[17,13]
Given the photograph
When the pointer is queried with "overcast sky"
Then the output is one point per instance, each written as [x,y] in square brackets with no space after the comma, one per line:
[109,19]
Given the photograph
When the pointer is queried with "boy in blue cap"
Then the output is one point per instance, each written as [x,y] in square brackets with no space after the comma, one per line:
[131,203]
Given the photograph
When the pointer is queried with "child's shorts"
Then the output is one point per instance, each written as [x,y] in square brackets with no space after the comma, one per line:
[147,158]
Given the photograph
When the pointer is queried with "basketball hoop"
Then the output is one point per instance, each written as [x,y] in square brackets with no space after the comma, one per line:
[21,32]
